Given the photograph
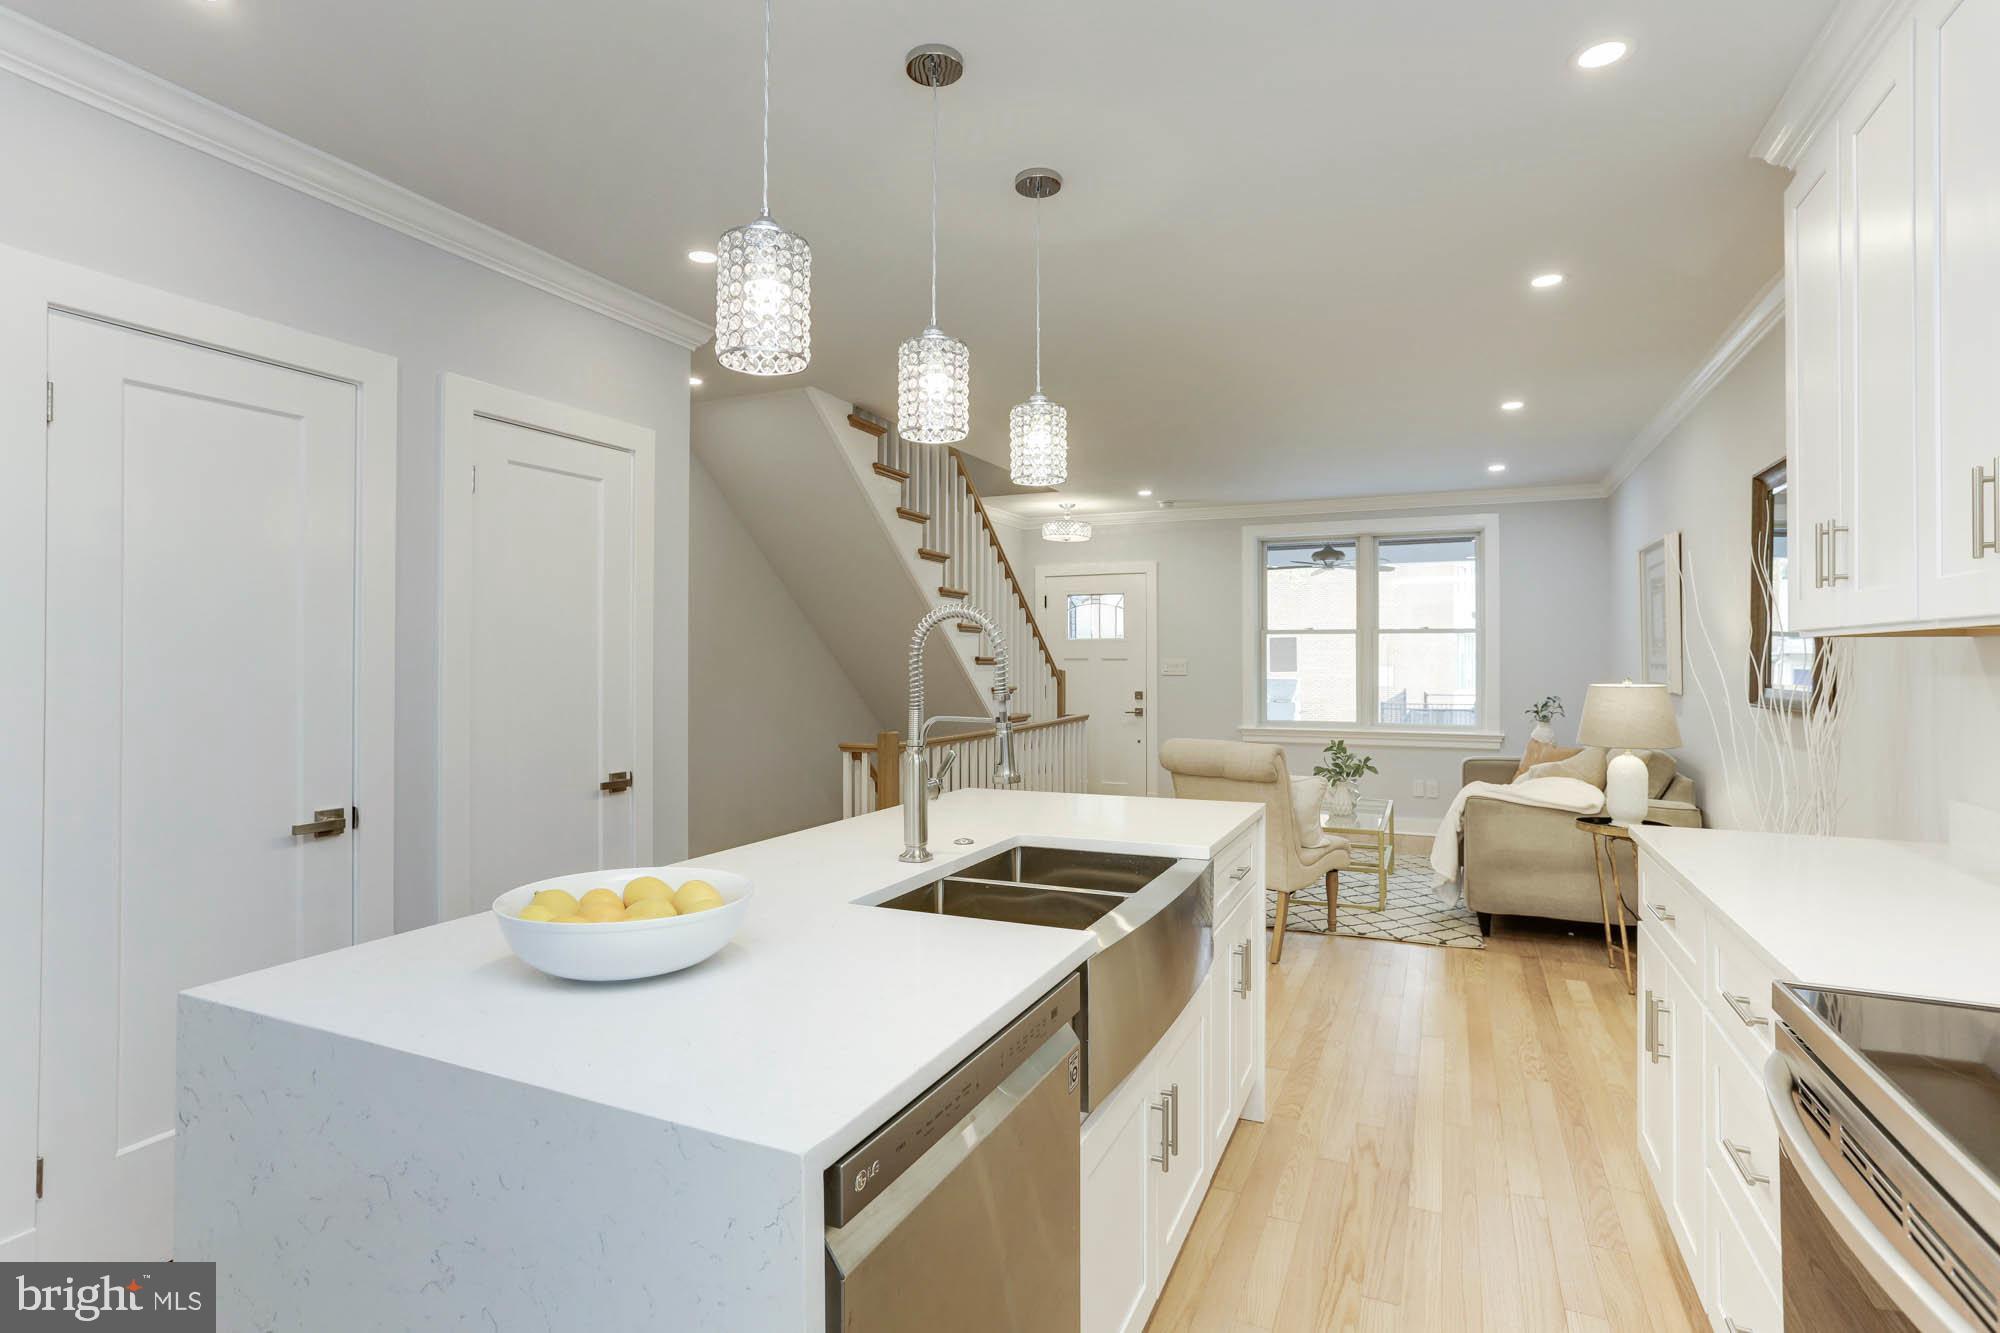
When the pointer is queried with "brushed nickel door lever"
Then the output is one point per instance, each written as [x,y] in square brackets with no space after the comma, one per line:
[329,823]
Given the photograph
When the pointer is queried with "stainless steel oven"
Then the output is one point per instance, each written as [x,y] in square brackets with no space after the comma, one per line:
[1888,1111]
[962,1212]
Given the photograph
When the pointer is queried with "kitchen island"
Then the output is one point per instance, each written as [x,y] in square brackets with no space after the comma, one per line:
[423,1132]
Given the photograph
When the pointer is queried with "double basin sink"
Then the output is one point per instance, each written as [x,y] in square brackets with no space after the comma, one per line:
[1151,915]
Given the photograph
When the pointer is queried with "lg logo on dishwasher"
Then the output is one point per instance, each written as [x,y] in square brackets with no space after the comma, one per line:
[861,1181]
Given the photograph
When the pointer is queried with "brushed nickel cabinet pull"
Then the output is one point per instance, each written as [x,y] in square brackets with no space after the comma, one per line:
[1663,914]
[1833,531]
[1239,872]
[1741,1004]
[330,823]
[1982,479]
[1740,1155]
[1165,1159]
[1242,986]
[1174,1123]
[619,781]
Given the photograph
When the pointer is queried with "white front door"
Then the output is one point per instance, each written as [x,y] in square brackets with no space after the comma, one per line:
[1100,636]
[200,702]
[551,658]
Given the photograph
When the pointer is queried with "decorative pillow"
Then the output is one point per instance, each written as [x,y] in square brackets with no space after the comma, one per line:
[1588,765]
[1305,812]
[1541,752]
[1660,772]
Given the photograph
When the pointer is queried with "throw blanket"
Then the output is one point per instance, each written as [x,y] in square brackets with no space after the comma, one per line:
[1554,793]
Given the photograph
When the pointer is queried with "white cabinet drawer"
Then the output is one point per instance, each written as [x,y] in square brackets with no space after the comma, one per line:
[1743,1143]
[1738,981]
[1238,868]
[1740,1293]
[1672,915]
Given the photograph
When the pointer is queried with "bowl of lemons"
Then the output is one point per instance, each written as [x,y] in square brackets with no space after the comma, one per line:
[618,925]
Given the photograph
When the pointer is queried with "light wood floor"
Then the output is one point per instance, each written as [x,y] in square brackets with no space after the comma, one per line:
[1449,1146]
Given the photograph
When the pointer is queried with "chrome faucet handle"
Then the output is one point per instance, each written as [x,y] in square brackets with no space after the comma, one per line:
[935,783]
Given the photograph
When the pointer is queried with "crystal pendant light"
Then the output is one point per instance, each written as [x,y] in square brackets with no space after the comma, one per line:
[1038,430]
[1068,528]
[933,369]
[763,281]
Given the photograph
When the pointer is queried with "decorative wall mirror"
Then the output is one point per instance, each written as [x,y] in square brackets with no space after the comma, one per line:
[1785,669]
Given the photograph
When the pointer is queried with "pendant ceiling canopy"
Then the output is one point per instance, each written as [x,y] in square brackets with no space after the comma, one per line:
[763,281]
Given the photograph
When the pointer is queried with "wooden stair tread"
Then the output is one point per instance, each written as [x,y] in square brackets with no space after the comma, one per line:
[983,661]
[861,423]
[952,594]
[938,557]
[964,628]
[892,473]
[914,515]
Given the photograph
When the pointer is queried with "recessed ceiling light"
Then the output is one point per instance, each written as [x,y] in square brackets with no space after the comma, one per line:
[1145,495]
[702,256]
[1546,280]
[694,381]
[1496,467]
[1512,405]
[1602,54]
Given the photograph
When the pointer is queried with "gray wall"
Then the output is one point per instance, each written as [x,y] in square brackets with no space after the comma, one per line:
[95,191]
[771,702]
[1553,587]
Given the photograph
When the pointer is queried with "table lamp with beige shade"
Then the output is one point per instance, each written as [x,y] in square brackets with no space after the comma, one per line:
[1627,717]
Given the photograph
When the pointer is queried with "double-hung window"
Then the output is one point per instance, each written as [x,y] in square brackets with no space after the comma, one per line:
[1373,628]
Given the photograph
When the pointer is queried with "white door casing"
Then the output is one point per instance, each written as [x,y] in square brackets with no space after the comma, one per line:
[1114,681]
[546,609]
[134,823]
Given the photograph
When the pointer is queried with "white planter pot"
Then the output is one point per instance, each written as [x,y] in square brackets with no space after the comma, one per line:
[1544,733]
[1339,799]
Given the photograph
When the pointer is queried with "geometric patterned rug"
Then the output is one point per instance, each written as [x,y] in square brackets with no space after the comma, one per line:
[1415,915]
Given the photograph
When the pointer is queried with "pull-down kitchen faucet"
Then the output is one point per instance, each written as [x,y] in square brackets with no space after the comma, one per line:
[917,786]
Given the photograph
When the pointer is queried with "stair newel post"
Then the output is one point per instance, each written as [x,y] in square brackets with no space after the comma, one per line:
[888,769]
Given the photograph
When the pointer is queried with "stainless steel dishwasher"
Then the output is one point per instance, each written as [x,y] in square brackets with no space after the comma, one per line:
[962,1212]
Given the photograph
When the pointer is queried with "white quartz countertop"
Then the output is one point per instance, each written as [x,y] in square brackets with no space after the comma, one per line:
[817,1022]
[1859,913]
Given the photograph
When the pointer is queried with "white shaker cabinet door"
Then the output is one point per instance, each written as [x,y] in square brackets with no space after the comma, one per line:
[1813,390]
[1118,1146]
[1180,1077]
[1958,237]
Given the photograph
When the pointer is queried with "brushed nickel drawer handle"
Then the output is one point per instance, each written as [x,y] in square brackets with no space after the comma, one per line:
[1740,1155]
[1174,1130]
[1981,479]
[1662,913]
[324,824]
[1741,1004]
[1242,986]
[1833,530]
[1239,872]
[1165,1159]
[1731,1326]
[1654,1008]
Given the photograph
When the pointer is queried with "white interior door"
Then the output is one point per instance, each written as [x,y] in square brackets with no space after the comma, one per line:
[200,702]
[551,658]
[1100,637]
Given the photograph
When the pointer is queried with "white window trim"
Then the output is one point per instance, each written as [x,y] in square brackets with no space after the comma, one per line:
[1485,526]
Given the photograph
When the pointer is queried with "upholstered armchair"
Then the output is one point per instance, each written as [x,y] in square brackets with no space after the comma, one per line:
[1298,857]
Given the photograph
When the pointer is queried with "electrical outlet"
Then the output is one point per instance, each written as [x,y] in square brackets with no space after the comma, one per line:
[1417,788]
[1432,784]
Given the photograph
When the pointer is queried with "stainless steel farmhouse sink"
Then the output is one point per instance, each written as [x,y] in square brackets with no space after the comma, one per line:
[1151,916]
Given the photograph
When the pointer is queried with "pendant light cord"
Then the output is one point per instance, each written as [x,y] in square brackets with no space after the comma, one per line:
[934,196]
[1038,293]
[767,108]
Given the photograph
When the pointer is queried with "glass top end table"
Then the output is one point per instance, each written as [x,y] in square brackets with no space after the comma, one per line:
[1371,834]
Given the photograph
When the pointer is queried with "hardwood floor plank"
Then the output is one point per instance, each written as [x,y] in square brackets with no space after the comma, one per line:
[1299,1309]
[1267,1273]
[1539,1287]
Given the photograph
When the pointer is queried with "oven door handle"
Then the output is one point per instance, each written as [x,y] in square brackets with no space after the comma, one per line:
[1901,1283]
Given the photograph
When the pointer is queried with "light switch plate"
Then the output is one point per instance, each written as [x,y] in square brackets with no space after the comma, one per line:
[1173,666]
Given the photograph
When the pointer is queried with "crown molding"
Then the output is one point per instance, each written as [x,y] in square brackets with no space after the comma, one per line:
[1321,508]
[84,74]
[1839,56]
[1764,313]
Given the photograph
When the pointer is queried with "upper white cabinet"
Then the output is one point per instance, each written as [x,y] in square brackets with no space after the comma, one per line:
[1892,271]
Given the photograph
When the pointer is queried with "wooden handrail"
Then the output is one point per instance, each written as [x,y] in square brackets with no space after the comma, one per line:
[1014,580]
[870,747]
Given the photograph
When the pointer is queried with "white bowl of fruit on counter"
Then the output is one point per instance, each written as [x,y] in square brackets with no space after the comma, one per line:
[617,925]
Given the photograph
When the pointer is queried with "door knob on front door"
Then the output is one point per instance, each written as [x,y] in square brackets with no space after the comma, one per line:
[619,781]
[324,824]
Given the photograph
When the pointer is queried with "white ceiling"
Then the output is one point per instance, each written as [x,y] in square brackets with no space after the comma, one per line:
[1291,259]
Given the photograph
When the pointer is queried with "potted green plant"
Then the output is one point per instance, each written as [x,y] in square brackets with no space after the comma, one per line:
[1544,713]
[1341,769]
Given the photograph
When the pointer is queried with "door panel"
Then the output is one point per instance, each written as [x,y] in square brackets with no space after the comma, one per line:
[1100,638]
[200,702]
[551,658]
[1117,1241]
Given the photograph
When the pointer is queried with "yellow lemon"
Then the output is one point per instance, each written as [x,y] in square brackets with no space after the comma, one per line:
[647,886]
[600,898]
[556,901]
[602,911]
[570,919]
[697,895]
[649,909]
[536,912]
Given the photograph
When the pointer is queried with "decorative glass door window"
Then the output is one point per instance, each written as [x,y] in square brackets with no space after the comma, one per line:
[1097,615]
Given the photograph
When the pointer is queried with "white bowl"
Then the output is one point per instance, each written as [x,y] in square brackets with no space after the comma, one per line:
[622,950]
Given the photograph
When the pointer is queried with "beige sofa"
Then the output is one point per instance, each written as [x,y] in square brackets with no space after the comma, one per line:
[1297,855]
[1523,860]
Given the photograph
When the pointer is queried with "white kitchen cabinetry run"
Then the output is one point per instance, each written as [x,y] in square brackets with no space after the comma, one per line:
[1892,273]
[1151,1149]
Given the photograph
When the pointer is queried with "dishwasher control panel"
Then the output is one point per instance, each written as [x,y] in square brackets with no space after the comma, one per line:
[861,1175]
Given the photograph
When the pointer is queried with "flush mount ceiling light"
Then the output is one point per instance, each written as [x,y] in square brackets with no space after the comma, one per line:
[1496,467]
[1068,528]
[1546,280]
[1145,495]
[694,381]
[701,256]
[1038,430]
[933,369]
[1512,405]
[763,281]
[1602,54]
